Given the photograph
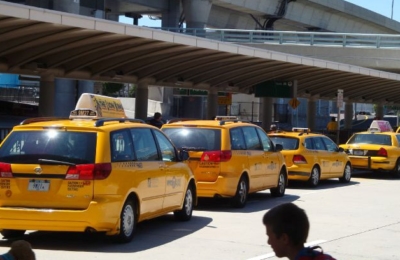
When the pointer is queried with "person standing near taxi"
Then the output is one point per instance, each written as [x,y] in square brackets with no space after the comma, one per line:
[332,126]
[156,120]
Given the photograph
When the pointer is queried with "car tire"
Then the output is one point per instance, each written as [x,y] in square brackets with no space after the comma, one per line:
[12,233]
[185,213]
[240,198]
[396,170]
[128,221]
[346,174]
[314,177]
[279,190]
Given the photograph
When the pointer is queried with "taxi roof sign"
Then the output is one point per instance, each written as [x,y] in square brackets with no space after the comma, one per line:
[92,106]
[301,129]
[380,126]
[226,118]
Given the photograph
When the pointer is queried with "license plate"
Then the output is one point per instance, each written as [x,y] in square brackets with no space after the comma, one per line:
[39,185]
[358,152]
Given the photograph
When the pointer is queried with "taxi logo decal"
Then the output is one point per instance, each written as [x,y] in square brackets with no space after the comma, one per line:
[174,182]
[272,166]
[337,164]
[38,170]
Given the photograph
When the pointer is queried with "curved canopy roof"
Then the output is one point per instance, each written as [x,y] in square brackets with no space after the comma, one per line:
[42,42]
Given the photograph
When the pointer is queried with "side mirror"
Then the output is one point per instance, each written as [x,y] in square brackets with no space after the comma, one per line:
[183,155]
[340,150]
[278,147]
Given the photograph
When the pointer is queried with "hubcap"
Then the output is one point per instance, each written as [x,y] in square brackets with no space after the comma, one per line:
[242,191]
[188,202]
[128,220]
[315,176]
[347,172]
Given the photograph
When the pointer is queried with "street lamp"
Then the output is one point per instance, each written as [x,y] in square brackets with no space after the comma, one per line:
[392,8]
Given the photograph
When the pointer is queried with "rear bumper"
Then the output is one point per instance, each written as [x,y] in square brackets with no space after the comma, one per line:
[372,163]
[97,216]
[299,173]
[223,187]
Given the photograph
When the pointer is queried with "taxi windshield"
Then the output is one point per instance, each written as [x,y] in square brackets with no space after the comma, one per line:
[32,146]
[288,143]
[380,139]
[195,139]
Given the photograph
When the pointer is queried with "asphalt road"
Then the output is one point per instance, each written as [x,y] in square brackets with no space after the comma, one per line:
[359,220]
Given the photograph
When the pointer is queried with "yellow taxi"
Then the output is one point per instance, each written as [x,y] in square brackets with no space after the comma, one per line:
[230,158]
[312,157]
[96,171]
[376,149]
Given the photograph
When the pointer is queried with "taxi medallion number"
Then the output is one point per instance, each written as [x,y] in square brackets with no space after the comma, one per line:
[39,185]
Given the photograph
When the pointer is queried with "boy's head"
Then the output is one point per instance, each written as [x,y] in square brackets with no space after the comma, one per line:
[157,115]
[287,228]
[22,250]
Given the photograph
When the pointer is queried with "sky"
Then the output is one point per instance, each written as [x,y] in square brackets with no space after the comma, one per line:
[383,7]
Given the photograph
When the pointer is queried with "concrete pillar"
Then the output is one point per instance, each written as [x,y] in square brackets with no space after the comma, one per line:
[379,111]
[46,96]
[141,100]
[212,103]
[170,18]
[65,96]
[266,110]
[85,86]
[196,12]
[311,112]
[348,115]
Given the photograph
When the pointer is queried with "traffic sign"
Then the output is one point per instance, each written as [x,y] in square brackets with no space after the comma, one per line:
[294,103]
[340,98]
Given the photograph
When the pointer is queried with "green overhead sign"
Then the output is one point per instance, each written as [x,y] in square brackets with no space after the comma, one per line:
[278,89]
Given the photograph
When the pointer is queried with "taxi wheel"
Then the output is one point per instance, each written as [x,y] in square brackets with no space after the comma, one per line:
[314,178]
[128,222]
[346,174]
[279,191]
[185,213]
[396,170]
[11,233]
[240,198]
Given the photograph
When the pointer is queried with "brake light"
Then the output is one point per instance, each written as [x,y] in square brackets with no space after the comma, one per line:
[299,159]
[216,156]
[98,171]
[382,152]
[5,170]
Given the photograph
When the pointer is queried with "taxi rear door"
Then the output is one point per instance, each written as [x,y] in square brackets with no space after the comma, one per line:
[323,155]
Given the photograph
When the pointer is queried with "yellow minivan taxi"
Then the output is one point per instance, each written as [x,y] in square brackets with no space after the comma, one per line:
[230,158]
[96,171]
[377,149]
[312,157]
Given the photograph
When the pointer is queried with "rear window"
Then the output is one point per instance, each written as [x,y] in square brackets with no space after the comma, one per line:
[30,146]
[288,143]
[370,139]
[195,139]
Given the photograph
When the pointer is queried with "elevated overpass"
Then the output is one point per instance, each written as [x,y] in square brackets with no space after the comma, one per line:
[52,44]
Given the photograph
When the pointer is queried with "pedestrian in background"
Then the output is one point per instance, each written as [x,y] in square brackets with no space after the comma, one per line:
[19,250]
[287,229]
[156,120]
[332,126]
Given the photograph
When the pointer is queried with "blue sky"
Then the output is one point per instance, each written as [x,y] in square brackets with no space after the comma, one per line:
[383,7]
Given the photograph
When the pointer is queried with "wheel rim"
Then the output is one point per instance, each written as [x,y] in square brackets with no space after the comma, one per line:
[315,176]
[242,191]
[128,220]
[347,172]
[398,167]
[281,183]
[188,202]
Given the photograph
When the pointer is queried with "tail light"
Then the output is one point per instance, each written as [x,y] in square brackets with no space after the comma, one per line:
[5,170]
[382,152]
[98,171]
[299,159]
[216,156]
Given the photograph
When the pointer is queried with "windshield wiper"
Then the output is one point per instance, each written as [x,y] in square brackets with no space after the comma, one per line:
[55,162]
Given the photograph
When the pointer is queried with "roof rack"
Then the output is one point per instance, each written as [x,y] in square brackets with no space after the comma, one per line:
[42,119]
[101,122]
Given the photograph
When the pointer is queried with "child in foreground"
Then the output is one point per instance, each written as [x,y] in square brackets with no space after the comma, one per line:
[287,228]
[19,250]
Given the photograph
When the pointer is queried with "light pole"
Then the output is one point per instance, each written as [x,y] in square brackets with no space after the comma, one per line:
[392,8]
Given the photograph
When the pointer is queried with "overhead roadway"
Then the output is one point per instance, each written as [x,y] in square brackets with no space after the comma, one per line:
[36,41]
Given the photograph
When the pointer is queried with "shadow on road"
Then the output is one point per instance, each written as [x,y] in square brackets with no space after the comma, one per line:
[376,175]
[259,201]
[149,234]
[322,185]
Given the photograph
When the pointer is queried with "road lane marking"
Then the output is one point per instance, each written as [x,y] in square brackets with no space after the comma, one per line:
[269,255]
